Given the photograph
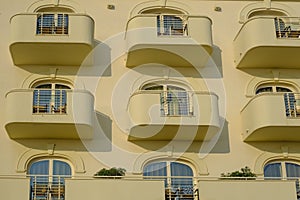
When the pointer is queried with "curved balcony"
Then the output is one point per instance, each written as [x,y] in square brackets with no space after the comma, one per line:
[191,117]
[272,117]
[268,42]
[51,38]
[172,40]
[31,115]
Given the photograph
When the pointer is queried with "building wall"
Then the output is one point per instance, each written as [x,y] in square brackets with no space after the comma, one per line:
[112,83]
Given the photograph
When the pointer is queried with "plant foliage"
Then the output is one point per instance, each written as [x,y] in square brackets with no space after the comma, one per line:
[111,172]
[244,172]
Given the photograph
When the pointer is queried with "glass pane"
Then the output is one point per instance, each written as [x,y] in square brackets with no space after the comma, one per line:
[182,185]
[273,170]
[283,89]
[264,89]
[41,169]
[156,169]
[154,87]
[292,170]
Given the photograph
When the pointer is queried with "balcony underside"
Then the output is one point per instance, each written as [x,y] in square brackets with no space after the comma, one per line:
[172,132]
[36,130]
[46,53]
[174,55]
[271,57]
[275,133]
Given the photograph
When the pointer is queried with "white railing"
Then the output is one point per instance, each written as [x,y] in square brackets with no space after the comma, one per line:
[52,23]
[176,103]
[292,104]
[287,27]
[178,187]
[47,187]
[172,25]
[49,101]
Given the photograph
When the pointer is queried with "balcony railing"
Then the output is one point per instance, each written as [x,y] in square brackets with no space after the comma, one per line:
[287,27]
[47,187]
[54,24]
[178,187]
[49,101]
[176,103]
[292,104]
[172,25]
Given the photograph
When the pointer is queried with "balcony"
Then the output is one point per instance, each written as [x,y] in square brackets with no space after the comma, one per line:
[51,39]
[272,117]
[247,189]
[177,41]
[157,115]
[135,188]
[49,114]
[268,42]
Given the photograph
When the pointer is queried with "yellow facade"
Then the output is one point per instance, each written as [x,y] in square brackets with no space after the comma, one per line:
[177,93]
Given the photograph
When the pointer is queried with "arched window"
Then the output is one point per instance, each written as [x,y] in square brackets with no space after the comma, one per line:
[174,100]
[283,170]
[178,178]
[274,88]
[50,98]
[47,179]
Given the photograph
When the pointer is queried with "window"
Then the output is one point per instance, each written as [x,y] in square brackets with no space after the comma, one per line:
[50,98]
[283,170]
[47,179]
[272,88]
[48,23]
[178,178]
[174,100]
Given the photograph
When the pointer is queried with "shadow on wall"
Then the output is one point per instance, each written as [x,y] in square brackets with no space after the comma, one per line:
[96,64]
[101,141]
[221,145]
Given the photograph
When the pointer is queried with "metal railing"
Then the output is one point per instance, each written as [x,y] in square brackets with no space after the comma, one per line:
[292,104]
[178,187]
[47,187]
[49,101]
[176,103]
[52,23]
[172,25]
[287,27]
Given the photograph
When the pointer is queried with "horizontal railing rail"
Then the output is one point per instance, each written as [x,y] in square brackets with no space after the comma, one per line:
[43,187]
[49,101]
[52,23]
[287,27]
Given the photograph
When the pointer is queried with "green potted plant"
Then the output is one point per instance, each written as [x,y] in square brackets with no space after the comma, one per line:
[110,173]
[244,174]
